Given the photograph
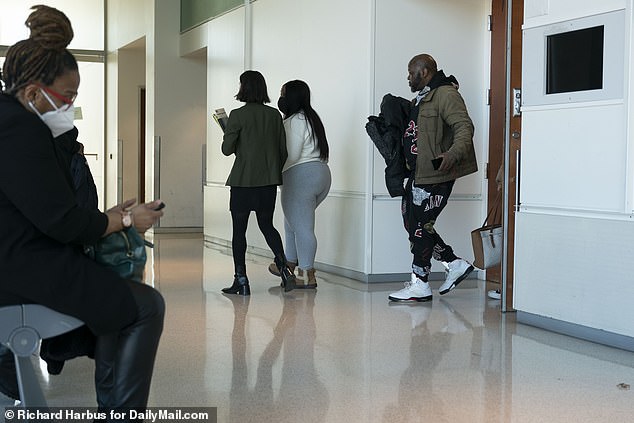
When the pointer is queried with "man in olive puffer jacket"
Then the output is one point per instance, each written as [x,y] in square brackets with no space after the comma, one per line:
[438,149]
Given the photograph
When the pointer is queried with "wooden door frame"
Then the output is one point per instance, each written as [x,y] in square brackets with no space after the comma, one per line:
[512,152]
[497,109]
[505,129]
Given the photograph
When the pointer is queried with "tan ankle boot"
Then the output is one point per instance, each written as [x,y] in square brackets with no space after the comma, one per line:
[311,283]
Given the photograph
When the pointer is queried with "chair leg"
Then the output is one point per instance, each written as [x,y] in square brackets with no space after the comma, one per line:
[31,394]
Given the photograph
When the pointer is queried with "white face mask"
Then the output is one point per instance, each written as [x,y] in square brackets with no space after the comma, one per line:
[59,120]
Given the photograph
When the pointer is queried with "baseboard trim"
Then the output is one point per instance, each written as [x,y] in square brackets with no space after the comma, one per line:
[177,230]
[435,278]
[577,331]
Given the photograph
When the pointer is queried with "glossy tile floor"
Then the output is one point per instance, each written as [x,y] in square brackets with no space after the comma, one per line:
[342,353]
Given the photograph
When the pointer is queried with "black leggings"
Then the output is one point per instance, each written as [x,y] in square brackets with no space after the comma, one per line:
[240,221]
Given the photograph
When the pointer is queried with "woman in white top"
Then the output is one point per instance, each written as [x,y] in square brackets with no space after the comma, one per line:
[306,178]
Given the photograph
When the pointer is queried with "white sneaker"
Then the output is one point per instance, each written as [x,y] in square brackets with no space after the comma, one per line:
[494,294]
[457,270]
[415,290]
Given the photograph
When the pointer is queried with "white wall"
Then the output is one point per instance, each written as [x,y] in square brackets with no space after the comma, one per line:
[225,62]
[91,125]
[176,114]
[128,23]
[336,70]
[576,269]
[351,54]
[176,107]
[463,52]
[85,16]
[131,71]
[573,254]
[330,50]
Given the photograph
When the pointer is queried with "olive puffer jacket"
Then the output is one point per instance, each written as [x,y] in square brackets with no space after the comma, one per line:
[444,126]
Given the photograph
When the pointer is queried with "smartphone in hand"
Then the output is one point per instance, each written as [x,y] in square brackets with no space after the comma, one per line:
[436,162]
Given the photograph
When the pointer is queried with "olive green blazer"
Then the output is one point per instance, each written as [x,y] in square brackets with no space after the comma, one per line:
[255,134]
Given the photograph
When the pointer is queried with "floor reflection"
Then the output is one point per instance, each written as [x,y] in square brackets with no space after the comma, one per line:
[343,354]
[301,392]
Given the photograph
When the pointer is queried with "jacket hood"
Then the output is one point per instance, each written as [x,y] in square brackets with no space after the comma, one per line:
[441,79]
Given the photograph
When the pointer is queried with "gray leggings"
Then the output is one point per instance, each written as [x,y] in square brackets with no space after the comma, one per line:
[304,187]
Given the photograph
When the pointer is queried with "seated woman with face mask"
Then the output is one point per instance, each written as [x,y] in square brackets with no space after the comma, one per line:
[42,228]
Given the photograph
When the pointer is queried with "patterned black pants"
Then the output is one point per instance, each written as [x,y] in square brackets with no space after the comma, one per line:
[420,208]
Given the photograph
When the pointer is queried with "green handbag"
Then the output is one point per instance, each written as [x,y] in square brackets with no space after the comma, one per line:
[123,252]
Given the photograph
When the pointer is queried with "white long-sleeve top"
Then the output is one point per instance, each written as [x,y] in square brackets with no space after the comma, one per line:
[300,142]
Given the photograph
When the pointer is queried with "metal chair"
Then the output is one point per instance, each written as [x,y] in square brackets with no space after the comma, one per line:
[22,327]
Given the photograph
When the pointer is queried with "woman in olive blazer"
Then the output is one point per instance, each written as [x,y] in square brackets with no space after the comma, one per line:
[255,135]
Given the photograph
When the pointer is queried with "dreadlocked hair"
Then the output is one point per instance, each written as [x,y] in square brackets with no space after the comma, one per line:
[43,56]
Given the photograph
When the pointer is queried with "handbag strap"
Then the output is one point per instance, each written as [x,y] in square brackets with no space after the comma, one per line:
[494,210]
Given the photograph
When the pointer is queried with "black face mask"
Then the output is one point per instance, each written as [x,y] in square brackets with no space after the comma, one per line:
[282,105]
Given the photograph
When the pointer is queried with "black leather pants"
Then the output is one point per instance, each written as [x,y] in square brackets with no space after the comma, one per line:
[124,361]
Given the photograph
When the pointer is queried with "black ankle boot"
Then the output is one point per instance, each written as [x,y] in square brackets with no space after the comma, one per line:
[287,275]
[240,284]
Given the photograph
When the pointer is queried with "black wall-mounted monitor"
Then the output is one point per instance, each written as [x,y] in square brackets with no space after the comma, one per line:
[574,60]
